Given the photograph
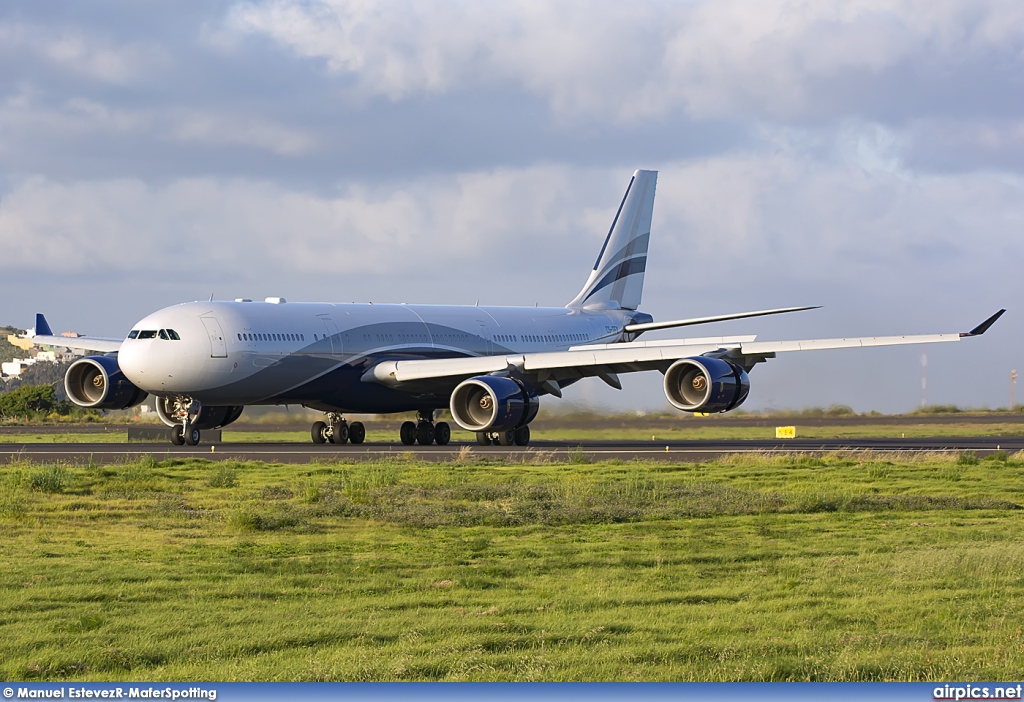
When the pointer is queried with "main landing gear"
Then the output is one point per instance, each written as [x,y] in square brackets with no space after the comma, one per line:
[517,437]
[337,430]
[425,432]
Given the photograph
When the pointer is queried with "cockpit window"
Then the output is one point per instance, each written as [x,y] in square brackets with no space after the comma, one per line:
[134,333]
[147,334]
[173,334]
[163,335]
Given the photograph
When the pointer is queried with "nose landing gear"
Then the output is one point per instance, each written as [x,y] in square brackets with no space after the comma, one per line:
[185,410]
[425,432]
[337,430]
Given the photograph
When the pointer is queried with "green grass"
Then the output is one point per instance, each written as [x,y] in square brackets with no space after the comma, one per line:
[685,430]
[753,568]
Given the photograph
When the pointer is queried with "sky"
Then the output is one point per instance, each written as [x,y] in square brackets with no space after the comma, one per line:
[866,156]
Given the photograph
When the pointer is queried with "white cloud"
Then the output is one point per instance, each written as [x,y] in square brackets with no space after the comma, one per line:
[22,116]
[81,54]
[235,224]
[777,58]
[733,217]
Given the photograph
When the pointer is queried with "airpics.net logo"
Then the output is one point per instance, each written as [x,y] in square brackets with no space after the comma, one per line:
[977,692]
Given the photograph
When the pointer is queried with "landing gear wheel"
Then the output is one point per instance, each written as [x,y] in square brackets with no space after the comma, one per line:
[522,436]
[425,433]
[319,432]
[339,433]
[442,433]
[177,437]
[408,433]
[356,432]
[192,437]
[507,438]
[483,438]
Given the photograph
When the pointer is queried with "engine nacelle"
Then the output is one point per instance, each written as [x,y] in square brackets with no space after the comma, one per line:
[493,403]
[212,417]
[703,384]
[97,382]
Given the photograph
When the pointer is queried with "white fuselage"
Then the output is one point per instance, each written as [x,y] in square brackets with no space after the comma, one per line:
[238,353]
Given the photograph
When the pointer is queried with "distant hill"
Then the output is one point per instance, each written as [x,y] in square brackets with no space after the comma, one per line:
[8,352]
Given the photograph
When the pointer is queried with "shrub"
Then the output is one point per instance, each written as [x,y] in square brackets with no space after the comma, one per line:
[51,479]
[223,477]
[13,494]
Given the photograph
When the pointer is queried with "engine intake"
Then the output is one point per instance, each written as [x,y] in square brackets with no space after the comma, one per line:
[97,382]
[704,384]
[493,403]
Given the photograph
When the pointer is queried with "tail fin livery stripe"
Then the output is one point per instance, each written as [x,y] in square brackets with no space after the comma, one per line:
[620,272]
[617,279]
[615,221]
[637,246]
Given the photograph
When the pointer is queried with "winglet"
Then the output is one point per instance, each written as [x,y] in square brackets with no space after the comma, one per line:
[42,328]
[983,327]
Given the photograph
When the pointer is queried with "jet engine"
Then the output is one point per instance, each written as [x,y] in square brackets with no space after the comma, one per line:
[704,384]
[493,403]
[212,417]
[97,382]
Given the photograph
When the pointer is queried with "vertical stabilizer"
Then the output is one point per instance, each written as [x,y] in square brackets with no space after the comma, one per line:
[617,280]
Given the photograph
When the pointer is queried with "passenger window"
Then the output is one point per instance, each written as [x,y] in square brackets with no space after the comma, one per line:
[133,334]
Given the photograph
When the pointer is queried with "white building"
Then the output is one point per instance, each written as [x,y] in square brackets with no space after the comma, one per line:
[15,367]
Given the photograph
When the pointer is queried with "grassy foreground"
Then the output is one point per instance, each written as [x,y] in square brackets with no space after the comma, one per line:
[686,430]
[779,568]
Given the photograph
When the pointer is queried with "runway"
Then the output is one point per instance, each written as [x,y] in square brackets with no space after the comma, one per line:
[667,451]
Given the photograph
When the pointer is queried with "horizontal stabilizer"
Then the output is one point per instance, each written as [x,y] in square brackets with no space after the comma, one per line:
[651,326]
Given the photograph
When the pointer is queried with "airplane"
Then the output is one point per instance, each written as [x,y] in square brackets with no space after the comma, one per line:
[206,361]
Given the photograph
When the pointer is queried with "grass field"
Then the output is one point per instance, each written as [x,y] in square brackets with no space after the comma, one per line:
[757,568]
[607,432]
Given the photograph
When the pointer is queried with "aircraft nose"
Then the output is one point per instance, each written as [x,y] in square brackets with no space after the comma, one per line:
[131,360]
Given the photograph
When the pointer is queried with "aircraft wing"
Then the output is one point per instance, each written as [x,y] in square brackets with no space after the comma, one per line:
[43,336]
[607,360]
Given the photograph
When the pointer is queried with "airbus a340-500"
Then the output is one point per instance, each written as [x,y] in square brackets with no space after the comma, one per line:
[205,361]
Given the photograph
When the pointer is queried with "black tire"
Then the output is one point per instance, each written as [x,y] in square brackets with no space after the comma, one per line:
[407,433]
[319,432]
[522,436]
[507,438]
[356,432]
[192,437]
[425,433]
[483,438]
[339,433]
[442,433]
[177,437]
